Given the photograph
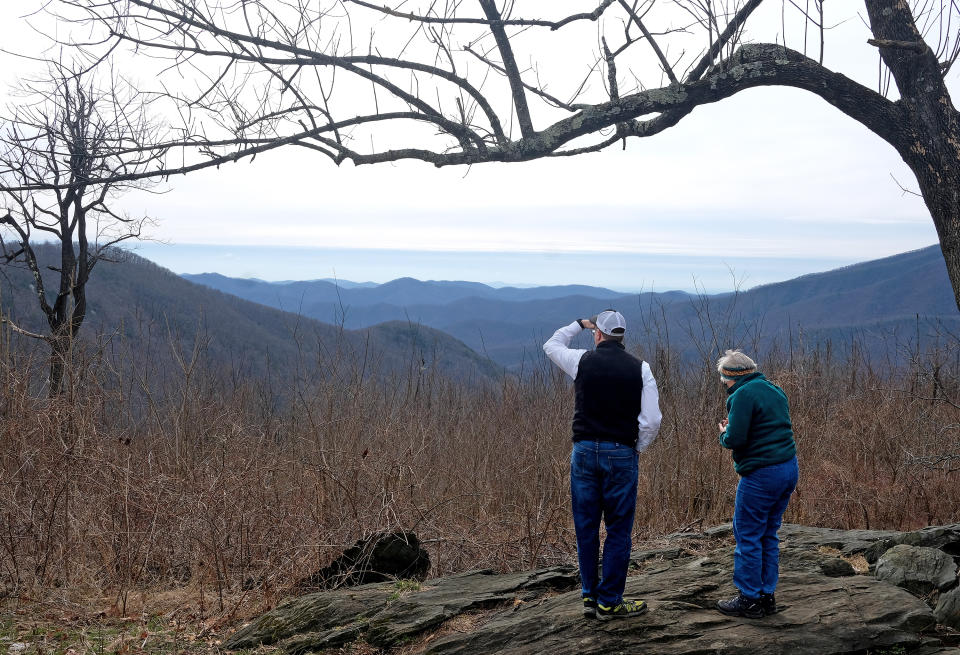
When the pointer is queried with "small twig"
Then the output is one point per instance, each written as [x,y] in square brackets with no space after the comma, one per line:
[906,392]
[904,189]
[529,87]
[730,33]
[653,43]
[19,330]
[689,526]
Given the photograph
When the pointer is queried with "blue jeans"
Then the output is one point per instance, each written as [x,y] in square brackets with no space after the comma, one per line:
[603,483]
[762,497]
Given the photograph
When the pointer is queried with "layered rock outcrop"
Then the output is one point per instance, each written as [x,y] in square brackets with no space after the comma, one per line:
[828,607]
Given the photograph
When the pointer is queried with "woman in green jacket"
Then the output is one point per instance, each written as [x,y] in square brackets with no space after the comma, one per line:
[759,433]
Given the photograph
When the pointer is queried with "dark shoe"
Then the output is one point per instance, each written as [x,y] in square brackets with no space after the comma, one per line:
[622,610]
[590,607]
[768,603]
[741,606]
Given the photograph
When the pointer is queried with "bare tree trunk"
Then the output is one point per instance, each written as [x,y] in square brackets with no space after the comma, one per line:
[941,191]
[928,137]
[60,355]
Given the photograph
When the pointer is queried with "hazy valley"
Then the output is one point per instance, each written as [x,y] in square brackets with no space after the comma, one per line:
[883,305]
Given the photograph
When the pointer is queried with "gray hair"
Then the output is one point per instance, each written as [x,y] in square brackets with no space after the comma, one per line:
[734,365]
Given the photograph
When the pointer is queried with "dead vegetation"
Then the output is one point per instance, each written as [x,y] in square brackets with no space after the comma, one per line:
[222,497]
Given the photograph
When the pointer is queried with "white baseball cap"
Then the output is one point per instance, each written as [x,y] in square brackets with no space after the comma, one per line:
[611,322]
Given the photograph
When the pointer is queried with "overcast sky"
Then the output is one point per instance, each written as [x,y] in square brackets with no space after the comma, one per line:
[772,182]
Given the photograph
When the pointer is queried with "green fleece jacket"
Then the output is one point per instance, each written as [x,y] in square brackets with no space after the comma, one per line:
[758,431]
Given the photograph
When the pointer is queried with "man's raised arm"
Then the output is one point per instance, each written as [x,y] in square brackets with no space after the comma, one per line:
[558,348]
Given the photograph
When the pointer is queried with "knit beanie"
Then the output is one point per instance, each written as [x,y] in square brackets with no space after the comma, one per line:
[734,365]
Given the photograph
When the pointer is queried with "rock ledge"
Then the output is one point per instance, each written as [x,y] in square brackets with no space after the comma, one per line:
[539,611]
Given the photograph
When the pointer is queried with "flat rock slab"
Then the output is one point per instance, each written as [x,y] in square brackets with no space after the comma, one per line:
[848,541]
[384,614]
[944,537]
[822,615]
[540,611]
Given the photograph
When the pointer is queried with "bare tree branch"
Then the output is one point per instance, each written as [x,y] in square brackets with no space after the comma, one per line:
[667,68]
[553,25]
[729,35]
[19,330]
[509,66]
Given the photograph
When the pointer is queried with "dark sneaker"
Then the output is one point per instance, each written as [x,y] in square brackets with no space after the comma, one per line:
[589,607]
[622,610]
[768,603]
[741,606]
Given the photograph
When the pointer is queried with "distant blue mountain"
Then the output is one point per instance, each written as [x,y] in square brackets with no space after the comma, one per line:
[871,302]
[346,284]
[402,292]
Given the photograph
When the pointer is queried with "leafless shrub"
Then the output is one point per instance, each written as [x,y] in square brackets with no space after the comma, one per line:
[215,495]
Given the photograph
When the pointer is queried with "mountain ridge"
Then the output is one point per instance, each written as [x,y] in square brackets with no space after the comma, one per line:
[396,290]
[868,301]
[153,309]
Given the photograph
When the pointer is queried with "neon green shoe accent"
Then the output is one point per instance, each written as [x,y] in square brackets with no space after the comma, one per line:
[622,610]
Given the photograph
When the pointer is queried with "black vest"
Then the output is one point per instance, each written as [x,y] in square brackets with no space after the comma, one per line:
[609,386]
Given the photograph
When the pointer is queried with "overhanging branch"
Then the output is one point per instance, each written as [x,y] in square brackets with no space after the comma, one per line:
[750,66]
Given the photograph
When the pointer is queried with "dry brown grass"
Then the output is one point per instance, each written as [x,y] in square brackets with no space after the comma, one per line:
[858,561]
[214,491]
[162,622]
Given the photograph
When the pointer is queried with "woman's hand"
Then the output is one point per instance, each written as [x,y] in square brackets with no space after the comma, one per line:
[723,425]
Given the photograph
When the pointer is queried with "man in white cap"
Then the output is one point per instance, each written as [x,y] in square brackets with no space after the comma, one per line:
[616,416]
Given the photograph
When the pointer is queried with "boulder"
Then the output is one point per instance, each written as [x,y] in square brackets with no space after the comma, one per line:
[835,567]
[918,569]
[947,611]
[378,558]
[942,537]
[722,531]
[849,542]
[877,549]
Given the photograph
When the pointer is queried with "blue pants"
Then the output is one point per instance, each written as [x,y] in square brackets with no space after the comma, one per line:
[762,497]
[603,483]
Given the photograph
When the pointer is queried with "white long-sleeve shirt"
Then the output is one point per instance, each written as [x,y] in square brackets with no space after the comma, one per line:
[560,353]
